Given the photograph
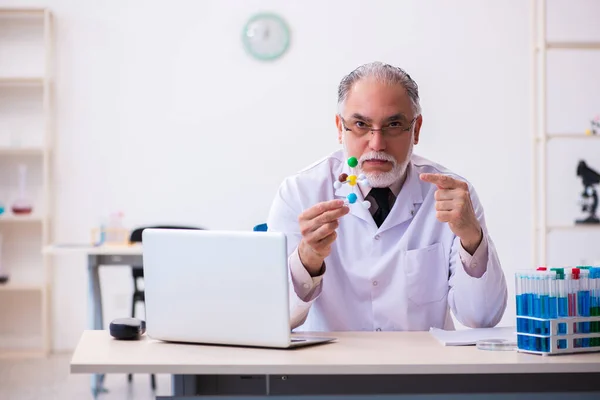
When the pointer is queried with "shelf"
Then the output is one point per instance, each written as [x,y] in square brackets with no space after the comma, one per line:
[24,346]
[571,136]
[563,136]
[28,56]
[581,227]
[21,80]
[573,45]
[11,218]
[6,354]
[22,11]
[5,150]
[20,287]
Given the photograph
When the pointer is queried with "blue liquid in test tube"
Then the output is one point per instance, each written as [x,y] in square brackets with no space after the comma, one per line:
[527,308]
[537,302]
[595,306]
[536,280]
[574,300]
[584,304]
[527,325]
[519,299]
[563,308]
[563,301]
[552,295]
[594,284]
[520,307]
[531,300]
[545,301]
[544,289]
[530,281]
[550,306]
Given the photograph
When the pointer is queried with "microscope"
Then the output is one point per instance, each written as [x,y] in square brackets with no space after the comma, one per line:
[595,126]
[589,196]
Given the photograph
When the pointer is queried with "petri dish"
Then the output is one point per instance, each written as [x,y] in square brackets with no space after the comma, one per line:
[497,345]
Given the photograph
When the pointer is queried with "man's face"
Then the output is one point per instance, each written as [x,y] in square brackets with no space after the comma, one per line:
[383,156]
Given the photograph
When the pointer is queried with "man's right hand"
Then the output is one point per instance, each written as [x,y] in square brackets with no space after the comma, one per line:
[317,226]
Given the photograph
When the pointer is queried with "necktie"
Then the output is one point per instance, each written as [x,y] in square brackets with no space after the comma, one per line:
[382,197]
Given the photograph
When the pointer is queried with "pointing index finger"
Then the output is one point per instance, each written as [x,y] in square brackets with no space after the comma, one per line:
[442,181]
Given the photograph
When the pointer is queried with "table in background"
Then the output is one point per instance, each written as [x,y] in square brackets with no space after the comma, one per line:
[99,256]
[403,364]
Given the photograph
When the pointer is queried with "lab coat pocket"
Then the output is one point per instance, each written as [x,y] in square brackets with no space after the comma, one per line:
[426,274]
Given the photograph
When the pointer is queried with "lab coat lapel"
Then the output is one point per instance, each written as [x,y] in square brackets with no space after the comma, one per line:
[407,203]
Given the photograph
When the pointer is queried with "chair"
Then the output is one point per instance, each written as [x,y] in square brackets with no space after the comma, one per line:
[137,273]
[260,228]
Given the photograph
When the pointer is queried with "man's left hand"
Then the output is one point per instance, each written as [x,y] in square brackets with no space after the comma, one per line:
[453,205]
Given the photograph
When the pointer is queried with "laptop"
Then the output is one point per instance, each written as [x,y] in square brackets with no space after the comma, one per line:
[219,287]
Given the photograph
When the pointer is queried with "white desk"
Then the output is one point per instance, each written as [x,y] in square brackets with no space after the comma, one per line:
[97,256]
[134,249]
[368,363]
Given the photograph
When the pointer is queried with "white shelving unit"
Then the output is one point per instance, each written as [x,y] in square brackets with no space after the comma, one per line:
[26,138]
[541,46]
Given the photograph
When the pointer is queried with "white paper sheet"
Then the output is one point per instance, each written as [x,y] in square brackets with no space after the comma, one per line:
[466,337]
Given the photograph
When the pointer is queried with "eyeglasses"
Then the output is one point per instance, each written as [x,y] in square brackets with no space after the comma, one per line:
[392,130]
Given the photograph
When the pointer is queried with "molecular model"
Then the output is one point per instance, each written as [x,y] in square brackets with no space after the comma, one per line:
[352,180]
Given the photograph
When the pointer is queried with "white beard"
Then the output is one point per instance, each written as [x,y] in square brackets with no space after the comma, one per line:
[385,179]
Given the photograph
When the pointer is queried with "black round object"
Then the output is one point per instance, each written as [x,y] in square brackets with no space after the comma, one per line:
[3,278]
[127,328]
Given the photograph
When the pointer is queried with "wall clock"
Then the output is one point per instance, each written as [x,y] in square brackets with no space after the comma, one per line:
[266,36]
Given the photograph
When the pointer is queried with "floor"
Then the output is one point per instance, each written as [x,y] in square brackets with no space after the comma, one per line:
[49,378]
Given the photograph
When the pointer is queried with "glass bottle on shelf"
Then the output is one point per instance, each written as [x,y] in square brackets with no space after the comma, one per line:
[22,206]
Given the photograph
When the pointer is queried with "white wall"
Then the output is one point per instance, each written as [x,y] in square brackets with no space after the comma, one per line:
[161,113]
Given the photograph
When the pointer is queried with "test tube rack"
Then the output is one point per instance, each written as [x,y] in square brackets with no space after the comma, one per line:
[110,236]
[558,310]
[558,335]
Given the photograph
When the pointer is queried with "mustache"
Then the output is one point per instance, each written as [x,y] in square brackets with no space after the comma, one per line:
[376,155]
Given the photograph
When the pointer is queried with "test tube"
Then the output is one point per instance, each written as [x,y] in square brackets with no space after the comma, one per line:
[584,304]
[518,303]
[596,309]
[530,281]
[537,309]
[535,295]
[524,305]
[542,291]
[597,299]
[520,311]
[575,274]
[562,300]
[527,326]
[595,303]
[552,295]
[568,288]
[544,295]
[571,307]
[549,297]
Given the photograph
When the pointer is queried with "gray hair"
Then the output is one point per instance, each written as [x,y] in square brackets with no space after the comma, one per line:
[382,72]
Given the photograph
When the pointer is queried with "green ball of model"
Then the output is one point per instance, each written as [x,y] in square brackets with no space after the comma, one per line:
[352,162]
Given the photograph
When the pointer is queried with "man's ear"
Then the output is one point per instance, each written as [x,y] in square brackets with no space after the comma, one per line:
[418,124]
[338,124]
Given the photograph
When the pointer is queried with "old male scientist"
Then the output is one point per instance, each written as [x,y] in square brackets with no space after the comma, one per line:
[417,251]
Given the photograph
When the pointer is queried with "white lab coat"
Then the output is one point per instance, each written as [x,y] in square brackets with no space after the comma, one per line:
[404,275]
